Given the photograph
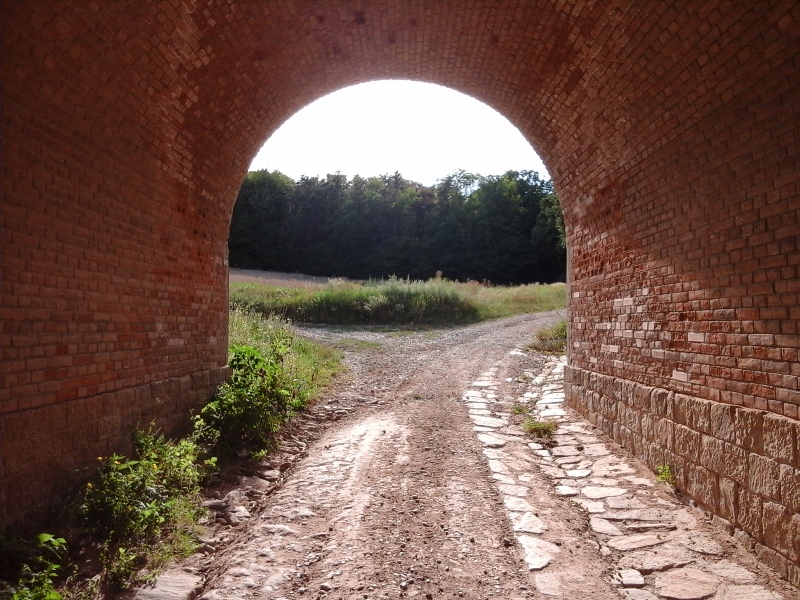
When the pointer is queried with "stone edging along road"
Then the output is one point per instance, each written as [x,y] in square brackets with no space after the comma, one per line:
[649,543]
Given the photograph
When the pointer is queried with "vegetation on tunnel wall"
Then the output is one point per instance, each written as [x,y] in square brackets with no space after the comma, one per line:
[505,228]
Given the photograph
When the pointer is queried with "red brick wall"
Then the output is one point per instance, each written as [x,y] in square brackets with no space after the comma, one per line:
[671,131]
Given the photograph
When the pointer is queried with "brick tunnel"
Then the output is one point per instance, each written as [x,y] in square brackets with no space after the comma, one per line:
[671,130]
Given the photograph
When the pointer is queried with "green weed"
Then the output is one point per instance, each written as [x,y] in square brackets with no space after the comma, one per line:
[37,566]
[551,340]
[518,409]
[543,430]
[665,475]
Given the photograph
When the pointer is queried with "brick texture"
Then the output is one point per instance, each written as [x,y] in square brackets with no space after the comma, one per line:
[671,129]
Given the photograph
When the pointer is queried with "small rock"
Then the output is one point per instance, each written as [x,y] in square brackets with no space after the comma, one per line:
[272,475]
[325,587]
[630,578]
[215,504]
[285,466]
[591,506]
[566,491]
[686,584]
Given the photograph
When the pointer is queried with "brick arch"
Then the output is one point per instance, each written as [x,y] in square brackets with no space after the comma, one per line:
[670,130]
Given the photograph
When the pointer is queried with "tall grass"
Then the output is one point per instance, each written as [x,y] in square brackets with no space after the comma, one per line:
[396,301]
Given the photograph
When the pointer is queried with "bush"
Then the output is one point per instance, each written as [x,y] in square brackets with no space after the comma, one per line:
[147,500]
[251,407]
[38,567]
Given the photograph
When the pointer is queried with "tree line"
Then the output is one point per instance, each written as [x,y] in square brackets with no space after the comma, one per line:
[506,229]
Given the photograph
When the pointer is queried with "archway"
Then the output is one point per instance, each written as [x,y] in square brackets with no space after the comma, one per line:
[669,129]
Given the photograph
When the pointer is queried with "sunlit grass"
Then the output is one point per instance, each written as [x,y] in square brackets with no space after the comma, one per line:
[396,301]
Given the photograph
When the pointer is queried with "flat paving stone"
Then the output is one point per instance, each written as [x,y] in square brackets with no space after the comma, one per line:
[635,541]
[487,421]
[491,441]
[513,490]
[170,585]
[548,584]
[566,491]
[538,553]
[527,522]
[591,506]
[595,450]
[731,571]
[638,595]
[565,451]
[630,578]
[600,525]
[481,412]
[686,584]
[517,504]
[596,492]
[648,561]
[503,478]
[579,473]
[700,543]
[745,592]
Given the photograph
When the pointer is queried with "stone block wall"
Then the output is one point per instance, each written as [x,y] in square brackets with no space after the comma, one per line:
[738,463]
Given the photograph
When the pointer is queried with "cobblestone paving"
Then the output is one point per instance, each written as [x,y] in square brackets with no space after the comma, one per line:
[650,544]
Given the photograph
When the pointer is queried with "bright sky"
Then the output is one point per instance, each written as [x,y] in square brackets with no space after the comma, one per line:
[425,131]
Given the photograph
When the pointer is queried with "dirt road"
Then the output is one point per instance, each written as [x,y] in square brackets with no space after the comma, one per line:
[407,493]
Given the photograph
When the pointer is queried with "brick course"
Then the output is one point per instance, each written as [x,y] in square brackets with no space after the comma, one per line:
[671,130]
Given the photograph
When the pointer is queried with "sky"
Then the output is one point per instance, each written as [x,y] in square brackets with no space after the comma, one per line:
[425,131]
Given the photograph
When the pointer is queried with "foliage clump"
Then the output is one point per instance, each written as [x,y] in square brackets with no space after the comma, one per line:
[551,340]
[146,505]
[542,430]
[32,566]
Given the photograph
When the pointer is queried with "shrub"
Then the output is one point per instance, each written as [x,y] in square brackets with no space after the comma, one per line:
[144,501]
[250,408]
[38,570]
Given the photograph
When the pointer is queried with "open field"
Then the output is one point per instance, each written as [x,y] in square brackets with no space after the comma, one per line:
[388,302]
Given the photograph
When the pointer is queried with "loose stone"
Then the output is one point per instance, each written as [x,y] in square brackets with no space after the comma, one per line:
[579,473]
[517,504]
[566,491]
[591,506]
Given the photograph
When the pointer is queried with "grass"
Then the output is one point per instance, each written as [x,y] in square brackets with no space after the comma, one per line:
[396,302]
[551,340]
[518,409]
[542,430]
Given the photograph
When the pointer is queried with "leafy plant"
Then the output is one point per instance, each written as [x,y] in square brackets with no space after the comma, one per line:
[251,407]
[37,576]
[518,409]
[144,502]
[539,429]
[665,475]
